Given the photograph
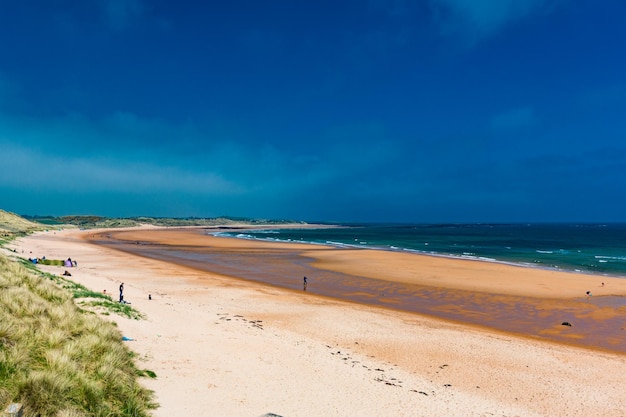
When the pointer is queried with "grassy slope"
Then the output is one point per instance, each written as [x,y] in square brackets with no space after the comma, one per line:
[59,359]
[12,225]
[56,358]
[11,222]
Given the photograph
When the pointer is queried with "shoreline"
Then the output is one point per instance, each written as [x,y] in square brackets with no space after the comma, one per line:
[238,348]
[340,245]
[513,261]
[575,289]
[528,303]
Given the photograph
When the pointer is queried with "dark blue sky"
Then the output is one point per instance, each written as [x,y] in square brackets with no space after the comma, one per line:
[379,110]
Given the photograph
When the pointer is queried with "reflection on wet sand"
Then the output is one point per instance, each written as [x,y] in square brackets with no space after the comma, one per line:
[595,323]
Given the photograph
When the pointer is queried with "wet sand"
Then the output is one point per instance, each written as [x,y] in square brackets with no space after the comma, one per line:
[526,301]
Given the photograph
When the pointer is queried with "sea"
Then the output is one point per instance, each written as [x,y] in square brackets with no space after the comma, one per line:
[584,248]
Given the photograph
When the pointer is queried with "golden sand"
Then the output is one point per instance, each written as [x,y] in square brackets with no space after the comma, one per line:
[526,301]
[224,346]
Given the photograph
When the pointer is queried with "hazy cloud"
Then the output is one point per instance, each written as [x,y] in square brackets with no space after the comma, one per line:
[514,119]
[482,18]
[37,170]
[391,8]
[5,85]
[8,91]
[121,13]
[113,156]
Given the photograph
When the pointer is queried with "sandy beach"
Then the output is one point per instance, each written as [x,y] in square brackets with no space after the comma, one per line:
[223,346]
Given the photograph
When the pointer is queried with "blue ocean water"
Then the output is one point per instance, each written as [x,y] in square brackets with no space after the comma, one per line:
[589,248]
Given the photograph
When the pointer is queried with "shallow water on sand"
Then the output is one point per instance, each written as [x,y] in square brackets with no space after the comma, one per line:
[590,248]
[595,323]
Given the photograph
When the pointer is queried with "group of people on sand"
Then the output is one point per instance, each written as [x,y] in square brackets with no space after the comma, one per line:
[69,263]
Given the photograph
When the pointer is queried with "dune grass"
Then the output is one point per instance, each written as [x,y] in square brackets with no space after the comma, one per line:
[91,300]
[13,226]
[57,359]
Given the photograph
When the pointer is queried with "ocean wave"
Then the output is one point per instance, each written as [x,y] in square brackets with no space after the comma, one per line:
[244,236]
[230,234]
[610,258]
[549,252]
[330,242]
[544,255]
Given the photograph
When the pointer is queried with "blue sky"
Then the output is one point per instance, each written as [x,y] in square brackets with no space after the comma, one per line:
[379,110]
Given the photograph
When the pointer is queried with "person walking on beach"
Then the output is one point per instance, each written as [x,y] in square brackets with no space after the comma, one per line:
[122,292]
[304,283]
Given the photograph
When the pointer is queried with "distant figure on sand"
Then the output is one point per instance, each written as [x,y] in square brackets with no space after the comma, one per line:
[304,284]
[122,292]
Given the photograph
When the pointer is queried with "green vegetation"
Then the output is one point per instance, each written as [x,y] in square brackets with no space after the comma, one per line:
[91,300]
[58,357]
[106,307]
[13,226]
[59,360]
[89,222]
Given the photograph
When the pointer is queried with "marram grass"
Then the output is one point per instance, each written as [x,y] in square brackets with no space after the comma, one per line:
[91,300]
[58,360]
